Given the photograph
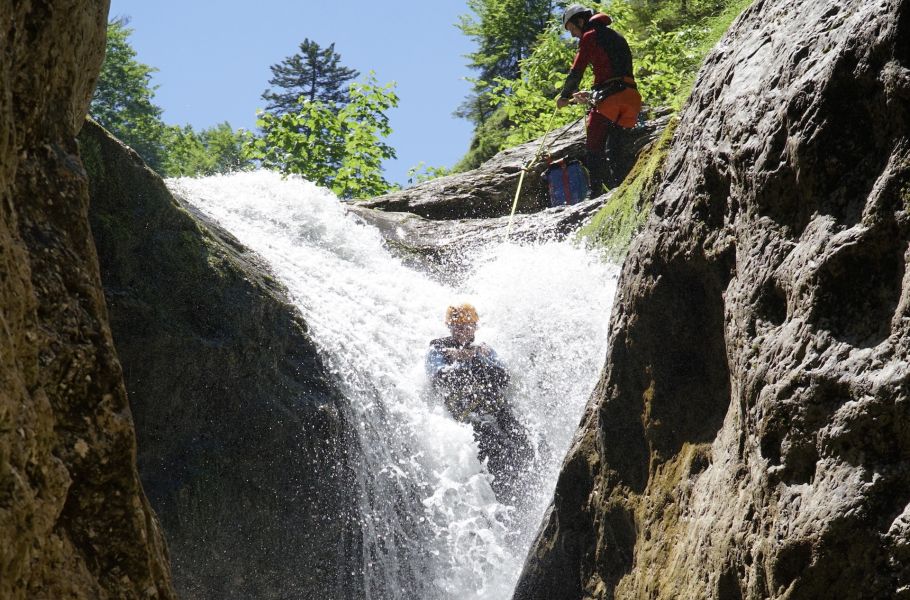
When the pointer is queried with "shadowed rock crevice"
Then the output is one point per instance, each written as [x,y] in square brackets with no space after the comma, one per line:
[793,558]
[771,305]
[679,348]
[860,286]
[902,35]
[74,520]
[728,587]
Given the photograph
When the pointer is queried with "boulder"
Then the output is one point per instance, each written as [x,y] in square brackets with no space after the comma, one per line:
[74,521]
[445,249]
[489,190]
[750,435]
[244,443]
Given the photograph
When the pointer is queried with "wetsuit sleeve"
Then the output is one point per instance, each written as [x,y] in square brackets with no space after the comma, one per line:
[491,361]
[581,62]
[435,361]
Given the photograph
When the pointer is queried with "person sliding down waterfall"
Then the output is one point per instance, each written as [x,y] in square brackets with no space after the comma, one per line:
[615,100]
[472,381]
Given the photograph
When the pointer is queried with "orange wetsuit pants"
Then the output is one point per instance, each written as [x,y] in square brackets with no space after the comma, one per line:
[622,107]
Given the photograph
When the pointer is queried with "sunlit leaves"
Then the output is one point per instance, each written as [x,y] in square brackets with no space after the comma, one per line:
[122,100]
[341,148]
[217,150]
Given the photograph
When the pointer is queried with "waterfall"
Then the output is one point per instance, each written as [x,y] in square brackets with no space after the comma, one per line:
[432,526]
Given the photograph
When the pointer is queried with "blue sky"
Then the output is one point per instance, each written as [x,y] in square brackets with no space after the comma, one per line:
[213,61]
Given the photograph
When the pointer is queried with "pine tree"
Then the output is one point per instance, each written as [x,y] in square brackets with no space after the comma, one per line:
[314,73]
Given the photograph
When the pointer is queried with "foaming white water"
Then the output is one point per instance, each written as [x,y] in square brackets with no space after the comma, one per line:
[432,526]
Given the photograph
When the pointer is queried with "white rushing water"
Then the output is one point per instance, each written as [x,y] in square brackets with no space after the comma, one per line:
[432,526]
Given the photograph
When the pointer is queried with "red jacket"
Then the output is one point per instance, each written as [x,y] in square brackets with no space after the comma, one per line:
[592,51]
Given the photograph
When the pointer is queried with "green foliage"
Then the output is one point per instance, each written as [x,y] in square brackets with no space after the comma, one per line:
[505,31]
[308,142]
[668,40]
[674,14]
[662,63]
[217,150]
[666,60]
[314,73]
[715,27]
[528,101]
[613,227]
[122,101]
[421,173]
[341,149]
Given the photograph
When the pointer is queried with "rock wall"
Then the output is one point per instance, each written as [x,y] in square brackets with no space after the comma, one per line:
[244,447]
[750,435]
[74,522]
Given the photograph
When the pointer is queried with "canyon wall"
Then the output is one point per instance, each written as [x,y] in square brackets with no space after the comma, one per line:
[74,522]
[750,434]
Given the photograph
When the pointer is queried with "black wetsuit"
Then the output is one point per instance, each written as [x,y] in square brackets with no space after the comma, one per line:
[473,392]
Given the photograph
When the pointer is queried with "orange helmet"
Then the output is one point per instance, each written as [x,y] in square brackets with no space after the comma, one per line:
[461,314]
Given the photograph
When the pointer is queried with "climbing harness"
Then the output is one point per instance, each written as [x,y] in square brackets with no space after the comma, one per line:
[533,160]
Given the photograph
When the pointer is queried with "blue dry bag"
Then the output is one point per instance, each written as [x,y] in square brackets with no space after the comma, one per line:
[567,182]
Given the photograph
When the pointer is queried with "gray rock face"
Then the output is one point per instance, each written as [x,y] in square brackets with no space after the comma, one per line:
[445,249]
[489,190]
[74,522]
[750,435]
[244,446]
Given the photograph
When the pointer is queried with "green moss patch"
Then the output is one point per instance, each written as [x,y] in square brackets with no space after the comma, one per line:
[624,214]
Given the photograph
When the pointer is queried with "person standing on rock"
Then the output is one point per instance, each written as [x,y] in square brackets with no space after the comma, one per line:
[614,99]
[471,381]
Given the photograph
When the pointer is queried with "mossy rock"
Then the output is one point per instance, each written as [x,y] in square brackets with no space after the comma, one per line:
[626,211]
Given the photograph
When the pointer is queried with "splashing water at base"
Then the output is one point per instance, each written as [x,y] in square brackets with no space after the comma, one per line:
[432,527]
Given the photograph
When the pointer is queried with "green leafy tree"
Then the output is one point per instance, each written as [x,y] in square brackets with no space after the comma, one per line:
[341,149]
[505,32]
[217,150]
[528,100]
[314,73]
[122,101]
